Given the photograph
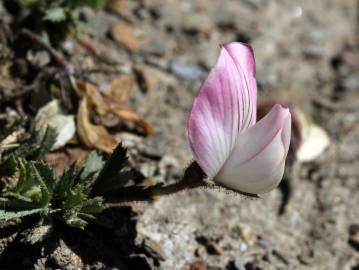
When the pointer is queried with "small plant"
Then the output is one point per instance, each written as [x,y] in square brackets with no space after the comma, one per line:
[31,187]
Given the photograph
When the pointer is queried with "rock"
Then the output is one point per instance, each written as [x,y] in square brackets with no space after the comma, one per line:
[351,83]
[198,265]
[38,58]
[102,22]
[64,257]
[214,248]
[51,115]
[154,249]
[246,234]
[125,34]
[313,51]
[239,264]
[124,8]
[156,45]
[68,46]
[186,71]
[194,23]
[150,78]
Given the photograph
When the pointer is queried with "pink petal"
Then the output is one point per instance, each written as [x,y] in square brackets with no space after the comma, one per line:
[225,106]
[243,56]
[256,164]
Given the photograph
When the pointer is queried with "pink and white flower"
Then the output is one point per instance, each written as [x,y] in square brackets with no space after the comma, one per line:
[226,142]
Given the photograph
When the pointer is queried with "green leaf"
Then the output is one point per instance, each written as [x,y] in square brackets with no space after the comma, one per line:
[45,145]
[36,145]
[35,183]
[90,3]
[15,204]
[74,199]
[65,183]
[90,171]
[111,170]
[45,192]
[72,219]
[25,181]
[93,206]
[56,14]
[93,164]
[37,234]
[9,215]
[29,3]
[47,174]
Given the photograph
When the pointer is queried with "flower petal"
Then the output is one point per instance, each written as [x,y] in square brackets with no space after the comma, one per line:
[224,106]
[256,164]
[243,56]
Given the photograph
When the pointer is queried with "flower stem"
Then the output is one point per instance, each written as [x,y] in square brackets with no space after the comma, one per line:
[192,178]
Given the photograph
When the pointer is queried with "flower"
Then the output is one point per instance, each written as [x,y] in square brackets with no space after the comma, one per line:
[226,142]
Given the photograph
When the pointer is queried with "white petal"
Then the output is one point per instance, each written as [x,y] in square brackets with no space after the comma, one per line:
[256,164]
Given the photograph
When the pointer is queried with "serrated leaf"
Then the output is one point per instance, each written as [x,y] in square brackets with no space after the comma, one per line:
[93,164]
[45,145]
[25,181]
[45,192]
[56,14]
[93,206]
[36,145]
[9,215]
[111,170]
[72,219]
[47,174]
[74,199]
[37,234]
[90,171]
[65,182]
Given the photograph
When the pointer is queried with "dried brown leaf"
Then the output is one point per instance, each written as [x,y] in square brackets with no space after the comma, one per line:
[108,104]
[125,34]
[93,136]
[129,115]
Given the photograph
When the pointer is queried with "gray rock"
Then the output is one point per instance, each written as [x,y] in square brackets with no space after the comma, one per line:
[186,71]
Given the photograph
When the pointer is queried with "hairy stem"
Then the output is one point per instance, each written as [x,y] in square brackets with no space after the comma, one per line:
[192,178]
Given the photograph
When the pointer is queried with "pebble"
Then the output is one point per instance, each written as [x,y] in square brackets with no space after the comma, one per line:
[124,8]
[247,234]
[39,58]
[154,249]
[194,23]
[186,71]
[198,265]
[125,34]
[351,83]
[239,263]
[149,78]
